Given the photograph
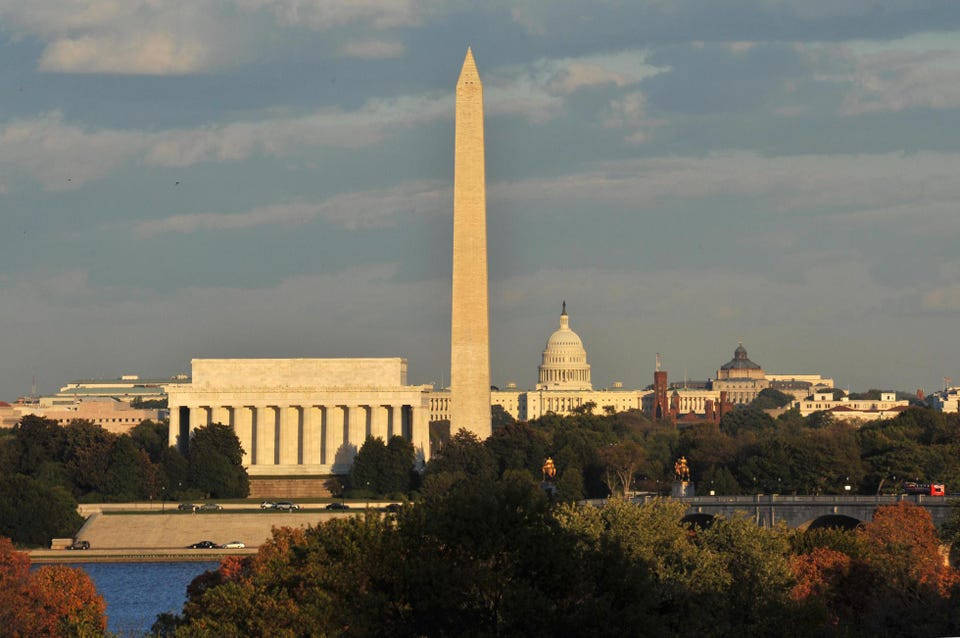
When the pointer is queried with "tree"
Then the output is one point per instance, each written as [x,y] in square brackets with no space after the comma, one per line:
[32,513]
[622,461]
[368,465]
[518,446]
[745,418]
[902,542]
[398,474]
[129,472]
[585,408]
[51,601]
[87,454]
[150,437]
[37,440]
[466,455]
[500,417]
[215,462]
[770,399]
[175,471]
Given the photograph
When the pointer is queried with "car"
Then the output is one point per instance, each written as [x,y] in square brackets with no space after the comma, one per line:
[268,505]
[211,507]
[393,507]
[203,545]
[187,507]
[233,545]
[286,506]
[338,506]
[79,545]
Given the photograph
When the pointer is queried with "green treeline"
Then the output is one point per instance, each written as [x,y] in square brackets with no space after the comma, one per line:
[46,468]
[748,452]
[480,555]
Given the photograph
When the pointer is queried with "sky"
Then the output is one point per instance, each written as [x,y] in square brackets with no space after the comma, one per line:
[272,178]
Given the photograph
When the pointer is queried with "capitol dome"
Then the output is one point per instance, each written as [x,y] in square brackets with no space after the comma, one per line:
[564,364]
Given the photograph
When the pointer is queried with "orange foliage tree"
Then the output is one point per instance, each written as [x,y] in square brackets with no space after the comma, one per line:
[896,584]
[51,601]
[902,542]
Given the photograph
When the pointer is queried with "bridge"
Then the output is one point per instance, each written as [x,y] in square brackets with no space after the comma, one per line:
[805,512]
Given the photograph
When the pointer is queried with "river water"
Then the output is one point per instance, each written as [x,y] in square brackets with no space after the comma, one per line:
[137,592]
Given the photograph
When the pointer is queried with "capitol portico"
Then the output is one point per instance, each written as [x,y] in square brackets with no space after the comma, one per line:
[301,416]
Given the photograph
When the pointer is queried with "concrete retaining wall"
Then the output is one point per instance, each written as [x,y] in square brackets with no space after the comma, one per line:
[170,531]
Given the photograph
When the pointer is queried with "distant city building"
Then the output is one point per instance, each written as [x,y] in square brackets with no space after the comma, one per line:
[847,409]
[946,400]
[740,377]
[112,414]
[125,388]
[9,416]
[738,382]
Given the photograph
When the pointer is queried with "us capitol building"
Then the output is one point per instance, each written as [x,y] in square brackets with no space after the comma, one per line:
[563,384]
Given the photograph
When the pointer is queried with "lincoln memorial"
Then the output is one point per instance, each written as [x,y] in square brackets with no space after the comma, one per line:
[301,416]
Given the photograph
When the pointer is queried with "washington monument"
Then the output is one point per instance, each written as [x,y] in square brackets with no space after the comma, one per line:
[470,321]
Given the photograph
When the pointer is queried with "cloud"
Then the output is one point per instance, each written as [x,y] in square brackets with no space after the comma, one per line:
[192,36]
[917,72]
[913,193]
[943,299]
[131,36]
[63,155]
[629,112]
[322,15]
[786,183]
[147,54]
[373,49]
[538,91]
[370,209]
[670,21]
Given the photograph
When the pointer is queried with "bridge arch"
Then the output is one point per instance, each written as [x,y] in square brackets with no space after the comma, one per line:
[835,521]
[699,519]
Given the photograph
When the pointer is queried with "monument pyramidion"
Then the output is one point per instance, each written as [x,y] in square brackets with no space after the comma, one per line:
[470,320]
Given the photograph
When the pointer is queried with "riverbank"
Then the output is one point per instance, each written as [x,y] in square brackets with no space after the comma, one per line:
[178,555]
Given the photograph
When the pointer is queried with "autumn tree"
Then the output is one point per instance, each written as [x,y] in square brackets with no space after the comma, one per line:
[53,600]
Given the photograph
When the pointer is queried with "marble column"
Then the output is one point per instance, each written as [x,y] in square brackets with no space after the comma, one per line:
[396,419]
[378,422]
[336,415]
[311,453]
[199,417]
[357,428]
[421,431]
[173,431]
[221,415]
[243,428]
[289,435]
[266,435]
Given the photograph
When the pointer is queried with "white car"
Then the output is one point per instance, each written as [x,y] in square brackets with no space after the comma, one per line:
[268,505]
[233,545]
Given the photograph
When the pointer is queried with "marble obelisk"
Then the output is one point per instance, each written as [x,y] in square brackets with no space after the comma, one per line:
[469,321]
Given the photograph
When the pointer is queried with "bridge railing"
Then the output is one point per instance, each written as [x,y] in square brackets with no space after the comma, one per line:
[785,499]
[755,500]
